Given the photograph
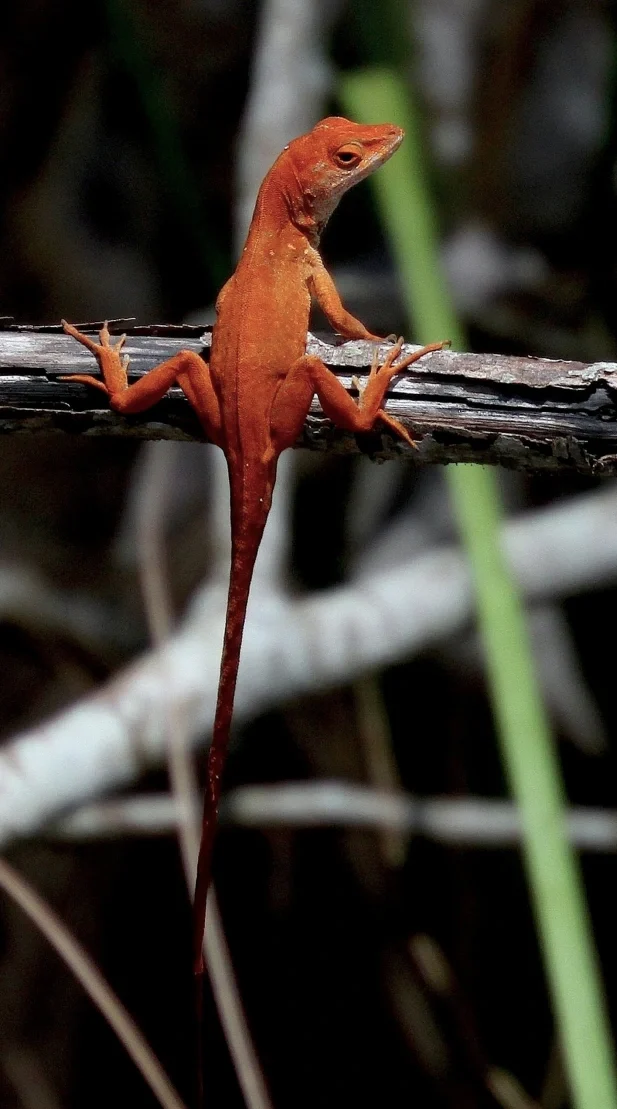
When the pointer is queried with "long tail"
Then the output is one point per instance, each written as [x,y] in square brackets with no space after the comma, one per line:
[245,545]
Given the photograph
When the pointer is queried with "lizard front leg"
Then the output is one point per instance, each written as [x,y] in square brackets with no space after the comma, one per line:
[309,375]
[322,287]
[186,368]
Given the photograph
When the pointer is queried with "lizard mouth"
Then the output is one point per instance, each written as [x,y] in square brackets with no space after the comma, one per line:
[397,136]
[388,145]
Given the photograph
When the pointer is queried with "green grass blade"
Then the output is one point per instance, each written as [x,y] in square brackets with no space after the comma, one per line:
[533,770]
[527,748]
[404,203]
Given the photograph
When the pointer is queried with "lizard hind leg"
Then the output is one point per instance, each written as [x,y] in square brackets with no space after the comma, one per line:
[186,368]
[309,375]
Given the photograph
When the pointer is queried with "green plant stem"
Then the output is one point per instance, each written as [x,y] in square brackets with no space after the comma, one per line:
[534,774]
[527,748]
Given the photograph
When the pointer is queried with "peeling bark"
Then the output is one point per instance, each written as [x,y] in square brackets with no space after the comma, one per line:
[520,412]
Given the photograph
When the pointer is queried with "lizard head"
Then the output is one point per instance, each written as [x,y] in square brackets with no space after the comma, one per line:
[327,161]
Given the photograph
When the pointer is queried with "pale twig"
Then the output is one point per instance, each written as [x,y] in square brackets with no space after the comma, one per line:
[371,494]
[89,976]
[190,463]
[27,1078]
[458,822]
[439,976]
[150,517]
[472,821]
[150,514]
[375,741]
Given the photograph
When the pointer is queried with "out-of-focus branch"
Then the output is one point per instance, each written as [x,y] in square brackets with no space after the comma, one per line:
[290,78]
[457,822]
[529,413]
[291,645]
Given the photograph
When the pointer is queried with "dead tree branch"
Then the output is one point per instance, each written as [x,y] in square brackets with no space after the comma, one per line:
[520,412]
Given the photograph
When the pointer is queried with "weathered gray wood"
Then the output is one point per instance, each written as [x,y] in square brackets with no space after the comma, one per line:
[530,413]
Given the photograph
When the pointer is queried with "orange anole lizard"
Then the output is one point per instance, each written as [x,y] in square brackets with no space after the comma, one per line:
[255,393]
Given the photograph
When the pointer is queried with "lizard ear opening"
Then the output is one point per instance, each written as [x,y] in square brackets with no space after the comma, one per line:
[348,156]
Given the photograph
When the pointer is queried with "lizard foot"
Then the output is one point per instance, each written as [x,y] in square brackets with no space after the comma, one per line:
[391,367]
[381,367]
[113,366]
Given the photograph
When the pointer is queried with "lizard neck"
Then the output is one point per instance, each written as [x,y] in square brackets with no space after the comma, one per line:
[282,205]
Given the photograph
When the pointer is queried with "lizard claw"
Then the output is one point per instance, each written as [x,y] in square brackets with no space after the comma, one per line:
[357,384]
[91,344]
[105,337]
[85,340]
[396,426]
[410,358]
[392,354]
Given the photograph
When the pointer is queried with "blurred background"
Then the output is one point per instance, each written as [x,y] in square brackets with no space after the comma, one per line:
[376,967]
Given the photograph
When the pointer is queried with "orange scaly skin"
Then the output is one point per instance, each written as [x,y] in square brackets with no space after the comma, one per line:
[253,397]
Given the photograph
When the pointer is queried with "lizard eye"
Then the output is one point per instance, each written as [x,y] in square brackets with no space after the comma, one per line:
[348,156]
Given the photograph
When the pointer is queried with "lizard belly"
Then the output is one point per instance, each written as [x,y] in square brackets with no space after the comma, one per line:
[250,359]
